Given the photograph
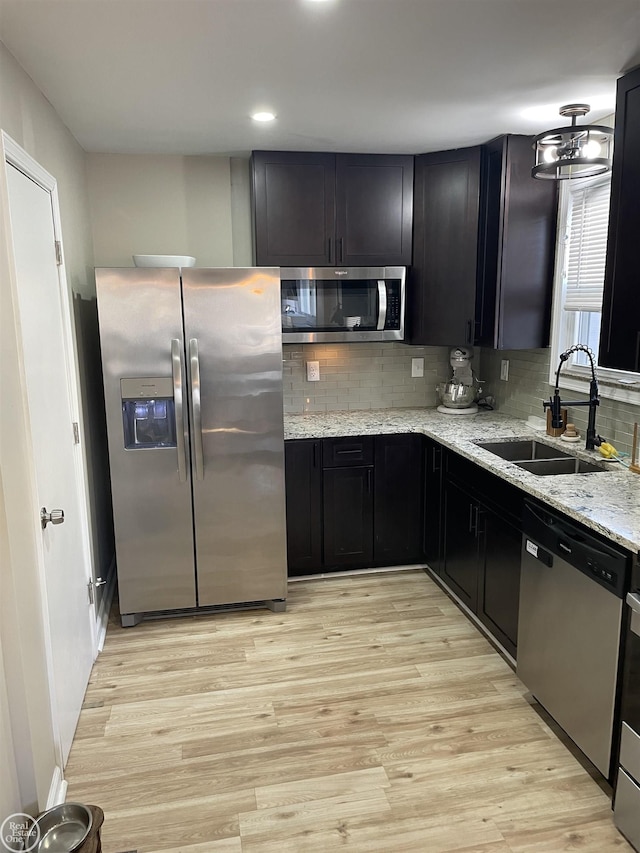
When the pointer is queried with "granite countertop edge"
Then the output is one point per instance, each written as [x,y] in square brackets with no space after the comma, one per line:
[608,502]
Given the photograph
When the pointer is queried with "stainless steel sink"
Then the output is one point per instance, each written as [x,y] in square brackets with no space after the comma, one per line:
[547,467]
[521,451]
[539,458]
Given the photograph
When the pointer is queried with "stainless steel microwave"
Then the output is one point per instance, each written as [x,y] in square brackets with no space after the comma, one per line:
[342,304]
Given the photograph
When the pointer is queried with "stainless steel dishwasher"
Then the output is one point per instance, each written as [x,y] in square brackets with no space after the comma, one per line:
[571,593]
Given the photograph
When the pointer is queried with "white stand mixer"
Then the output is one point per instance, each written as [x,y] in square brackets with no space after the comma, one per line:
[459,395]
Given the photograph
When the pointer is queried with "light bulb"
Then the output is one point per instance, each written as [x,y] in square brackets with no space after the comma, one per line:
[550,154]
[592,149]
[263,116]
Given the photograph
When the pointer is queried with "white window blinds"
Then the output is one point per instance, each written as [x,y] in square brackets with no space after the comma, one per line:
[587,243]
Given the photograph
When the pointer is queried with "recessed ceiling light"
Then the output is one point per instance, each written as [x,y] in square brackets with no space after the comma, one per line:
[263,116]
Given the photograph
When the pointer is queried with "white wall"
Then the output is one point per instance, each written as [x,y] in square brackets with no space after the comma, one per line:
[160,204]
[29,118]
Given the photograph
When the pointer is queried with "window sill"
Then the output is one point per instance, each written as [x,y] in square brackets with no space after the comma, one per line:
[611,389]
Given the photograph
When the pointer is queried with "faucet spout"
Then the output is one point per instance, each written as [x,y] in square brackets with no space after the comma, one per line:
[593,440]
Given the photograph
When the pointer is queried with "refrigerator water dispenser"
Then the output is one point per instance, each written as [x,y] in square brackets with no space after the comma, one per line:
[148,413]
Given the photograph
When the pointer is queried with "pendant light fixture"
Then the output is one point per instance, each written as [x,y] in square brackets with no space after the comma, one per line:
[577,151]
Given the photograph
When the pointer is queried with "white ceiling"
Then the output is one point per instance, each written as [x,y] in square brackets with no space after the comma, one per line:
[405,76]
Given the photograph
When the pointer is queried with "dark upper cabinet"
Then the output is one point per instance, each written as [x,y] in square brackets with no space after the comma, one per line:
[484,239]
[620,330]
[374,209]
[315,209]
[518,221]
[442,280]
[303,473]
[399,499]
[293,208]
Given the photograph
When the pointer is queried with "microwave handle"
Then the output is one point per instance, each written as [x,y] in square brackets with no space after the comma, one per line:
[382,304]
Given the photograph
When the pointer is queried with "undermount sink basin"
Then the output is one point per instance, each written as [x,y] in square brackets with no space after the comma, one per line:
[520,451]
[547,467]
[539,458]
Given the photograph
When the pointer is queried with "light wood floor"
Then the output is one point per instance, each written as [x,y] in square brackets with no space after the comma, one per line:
[371,716]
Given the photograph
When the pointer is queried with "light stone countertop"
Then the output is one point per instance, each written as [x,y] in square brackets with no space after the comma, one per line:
[607,502]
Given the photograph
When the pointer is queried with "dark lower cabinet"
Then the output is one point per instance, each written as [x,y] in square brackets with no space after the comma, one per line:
[348,516]
[357,502]
[499,577]
[481,546]
[398,499]
[432,505]
[303,475]
[461,560]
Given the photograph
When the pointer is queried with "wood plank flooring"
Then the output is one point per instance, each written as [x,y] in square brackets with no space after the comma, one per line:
[371,716]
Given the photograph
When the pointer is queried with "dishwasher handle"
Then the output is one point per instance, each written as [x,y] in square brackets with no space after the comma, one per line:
[633,600]
[564,532]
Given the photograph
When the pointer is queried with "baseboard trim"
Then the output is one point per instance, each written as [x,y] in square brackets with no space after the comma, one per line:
[346,573]
[57,789]
[105,605]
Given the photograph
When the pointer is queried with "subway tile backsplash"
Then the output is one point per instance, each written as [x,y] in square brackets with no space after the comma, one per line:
[361,376]
[378,376]
[528,386]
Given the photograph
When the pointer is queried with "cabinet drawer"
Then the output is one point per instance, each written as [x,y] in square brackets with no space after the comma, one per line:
[343,452]
[487,487]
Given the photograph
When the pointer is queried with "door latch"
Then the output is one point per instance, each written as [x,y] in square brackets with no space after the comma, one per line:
[56,516]
[91,586]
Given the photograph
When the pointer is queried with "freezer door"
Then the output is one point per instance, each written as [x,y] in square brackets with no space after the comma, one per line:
[234,352]
[142,342]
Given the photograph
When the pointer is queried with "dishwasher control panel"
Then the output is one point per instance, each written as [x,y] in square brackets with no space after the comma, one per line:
[549,534]
[609,577]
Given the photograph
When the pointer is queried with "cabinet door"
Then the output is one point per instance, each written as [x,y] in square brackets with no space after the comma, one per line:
[620,329]
[442,281]
[374,209]
[348,516]
[303,482]
[431,528]
[398,499]
[499,581]
[294,208]
[516,248]
[460,560]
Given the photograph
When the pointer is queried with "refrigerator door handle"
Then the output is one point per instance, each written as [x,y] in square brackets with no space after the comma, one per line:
[195,405]
[176,367]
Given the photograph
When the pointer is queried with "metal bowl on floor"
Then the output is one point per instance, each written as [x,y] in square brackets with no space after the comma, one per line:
[63,828]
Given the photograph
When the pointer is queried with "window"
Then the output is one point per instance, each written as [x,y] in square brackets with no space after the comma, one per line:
[580,265]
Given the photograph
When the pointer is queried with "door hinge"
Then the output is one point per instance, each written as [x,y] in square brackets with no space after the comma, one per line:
[76,433]
[91,586]
[58,246]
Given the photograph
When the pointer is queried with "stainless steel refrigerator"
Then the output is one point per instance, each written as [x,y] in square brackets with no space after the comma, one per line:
[192,368]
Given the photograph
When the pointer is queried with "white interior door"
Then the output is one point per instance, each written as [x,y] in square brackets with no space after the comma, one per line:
[48,368]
